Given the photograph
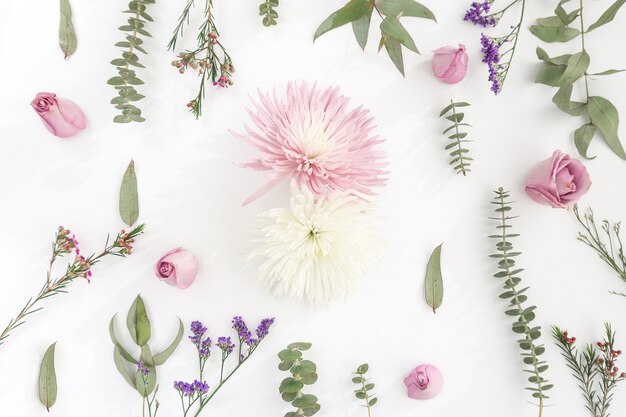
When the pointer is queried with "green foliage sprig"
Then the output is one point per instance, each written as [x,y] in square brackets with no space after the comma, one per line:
[458,151]
[393,34]
[142,375]
[304,372]
[364,388]
[595,368]
[126,79]
[522,326]
[64,243]
[565,71]
[267,9]
[610,250]
[209,58]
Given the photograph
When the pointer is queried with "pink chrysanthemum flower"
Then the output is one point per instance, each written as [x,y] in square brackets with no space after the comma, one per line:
[314,137]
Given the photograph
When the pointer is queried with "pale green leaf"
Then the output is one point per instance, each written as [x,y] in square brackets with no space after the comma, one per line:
[138,323]
[554,34]
[352,11]
[607,16]
[67,35]
[361,27]
[120,365]
[129,199]
[604,116]
[582,139]
[123,352]
[160,358]
[608,72]
[394,50]
[392,27]
[550,74]
[434,280]
[409,8]
[576,66]
[48,379]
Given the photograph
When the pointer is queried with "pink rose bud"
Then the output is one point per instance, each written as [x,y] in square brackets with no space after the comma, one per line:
[558,181]
[450,64]
[424,382]
[62,117]
[177,267]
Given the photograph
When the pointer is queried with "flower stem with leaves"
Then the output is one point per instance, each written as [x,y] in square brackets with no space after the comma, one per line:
[267,9]
[80,267]
[459,153]
[126,79]
[303,372]
[210,58]
[517,300]
[365,386]
[565,71]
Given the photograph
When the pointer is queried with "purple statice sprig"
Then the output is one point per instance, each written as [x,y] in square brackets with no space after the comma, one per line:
[225,344]
[479,14]
[197,338]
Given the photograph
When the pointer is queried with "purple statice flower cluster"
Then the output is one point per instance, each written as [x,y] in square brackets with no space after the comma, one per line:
[142,368]
[491,56]
[189,390]
[478,14]
[264,328]
[203,345]
[245,335]
[225,344]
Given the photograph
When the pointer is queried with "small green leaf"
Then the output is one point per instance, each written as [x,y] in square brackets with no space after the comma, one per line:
[300,346]
[146,384]
[357,379]
[361,27]
[554,34]
[434,280]
[409,8]
[563,102]
[289,355]
[392,27]
[582,139]
[121,367]
[129,199]
[605,117]
[550,74]
[576,66]
[122,351]
[303,368]
[290,385]
[138,323]
[309,379]
[372,402]
[394,50]
[552,22]
[67,35]
[160,358]
[362,369]
[607,16]
[48,379]
[608,72]
[307,400]
[285,365]
[311,410]
[352,11]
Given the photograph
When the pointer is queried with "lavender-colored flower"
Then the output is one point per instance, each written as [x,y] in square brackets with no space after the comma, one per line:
[200,387]
[478,14]
[264,328]
[142,368]
[241,328]
[198,330]
[204,350]
[491,56]
[184,388]
[225,344]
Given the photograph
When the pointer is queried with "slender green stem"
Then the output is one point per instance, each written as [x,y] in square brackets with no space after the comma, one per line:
[458,139]
[367,396]
[582,39]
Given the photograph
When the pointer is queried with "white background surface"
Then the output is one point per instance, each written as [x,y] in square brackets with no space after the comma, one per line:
[191,195]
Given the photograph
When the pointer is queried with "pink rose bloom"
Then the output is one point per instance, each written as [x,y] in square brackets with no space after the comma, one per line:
[424,382]
[177,267]
[62,117]
[558,181]
[450,64]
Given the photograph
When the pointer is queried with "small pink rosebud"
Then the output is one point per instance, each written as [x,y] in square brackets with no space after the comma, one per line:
[450,64]
[177,267]
[424,382]
[62,117]
[559,181]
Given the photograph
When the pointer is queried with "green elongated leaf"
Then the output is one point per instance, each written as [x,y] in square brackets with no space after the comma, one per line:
[352,11]
[551,21]
[129,199]
[362,369]
[557,60]
[449,107]
[409,8]
[48,379]
[550,74]
[392,27]
[138,323]
[563,102]
[67,35]
[554,34]
[434,280]
[607,16]
[115,341]
[608,72]
[582,139]
[160,358]
[145,384]
[361,27]
[604,116]
[122,368]
[394,50]
[576,66]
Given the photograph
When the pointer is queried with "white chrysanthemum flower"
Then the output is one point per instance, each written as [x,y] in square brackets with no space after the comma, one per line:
[317,249]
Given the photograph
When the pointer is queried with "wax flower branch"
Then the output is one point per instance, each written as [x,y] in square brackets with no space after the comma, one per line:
[210,58]
[498,52]
[595,368]
[80,267]
[194,396]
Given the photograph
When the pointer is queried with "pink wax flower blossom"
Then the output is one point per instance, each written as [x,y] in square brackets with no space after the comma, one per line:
[177,267]
[62,117]
[450,64]
[424,382]
[315,138]
[558,181]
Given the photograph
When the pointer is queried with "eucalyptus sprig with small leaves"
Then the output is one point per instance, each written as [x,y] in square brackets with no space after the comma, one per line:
[393,34]
[458,151]
[595,368]
[141,374]
[517,308]
[127,79]
[209,58]
[303,372]
[267,9]
[565,71]
[364,388]
[609,248]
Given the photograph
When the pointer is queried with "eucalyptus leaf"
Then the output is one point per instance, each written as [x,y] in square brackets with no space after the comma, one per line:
[160,358]
[129,199]
[67,34]
[551,21]
[120,365]
[394,50]
[562,99]
[434,280]
[550,74]
[607,72]
[604,116]
[123,353]
[352,11]
[48,379]
[582,139]
[554,34]
[607,16]
[392,27]
[577,65]
[409,8]
[361,27]
[145,384]
[138,323]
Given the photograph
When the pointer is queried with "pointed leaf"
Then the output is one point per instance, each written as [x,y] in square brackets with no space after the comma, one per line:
[391,26]
[352,11]
[604,116]
[608,72]
[406,7]
[129,200]
[146,384]
[434,280]
[550,74]
[48,379]
[607,16]
[123,351]
[582,139]
[554,34]
[576,66]
[160,358]
[361,27]
[67,35]
[394,49]
[120,365]
[138,323]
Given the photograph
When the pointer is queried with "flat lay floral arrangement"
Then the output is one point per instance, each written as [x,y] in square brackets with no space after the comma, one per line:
[315,209]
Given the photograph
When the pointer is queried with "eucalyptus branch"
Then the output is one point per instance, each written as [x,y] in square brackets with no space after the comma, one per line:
[525,315]
[458,153]
[365,386]
[267,9]
[303,372]
[80,267]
